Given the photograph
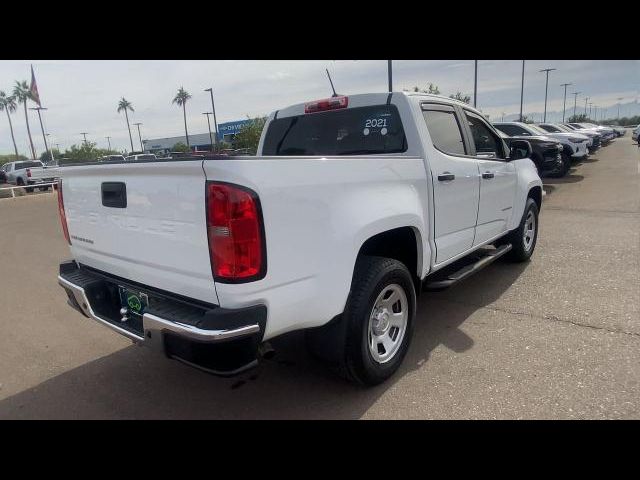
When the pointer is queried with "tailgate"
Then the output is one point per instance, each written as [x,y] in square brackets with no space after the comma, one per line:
[158,239]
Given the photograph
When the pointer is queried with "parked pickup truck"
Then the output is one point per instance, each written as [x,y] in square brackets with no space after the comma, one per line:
[30,173]
[352,206]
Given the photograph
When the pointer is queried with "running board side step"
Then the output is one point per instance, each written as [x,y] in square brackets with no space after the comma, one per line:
[440,282]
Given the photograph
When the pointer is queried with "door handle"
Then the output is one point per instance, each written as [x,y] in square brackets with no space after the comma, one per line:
[488,175]
[446,177]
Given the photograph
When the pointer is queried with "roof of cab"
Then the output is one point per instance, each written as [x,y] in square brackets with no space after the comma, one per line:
[365,99]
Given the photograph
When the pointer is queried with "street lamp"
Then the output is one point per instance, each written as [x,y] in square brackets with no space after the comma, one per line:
[46,147]
[51,151]
[109,142]
[546,88]
[619,107]
[522,90]
[502,119]
[213,109]
[585,106]
[140,136]
[590,105]
[575,103]
[564,105]
[85,136]
[209,124]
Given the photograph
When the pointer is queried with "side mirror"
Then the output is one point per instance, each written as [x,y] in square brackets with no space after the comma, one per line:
[519,149]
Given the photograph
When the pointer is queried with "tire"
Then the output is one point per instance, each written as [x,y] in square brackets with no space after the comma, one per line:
[43,189]
[374,347]
[566,165]
[522,249]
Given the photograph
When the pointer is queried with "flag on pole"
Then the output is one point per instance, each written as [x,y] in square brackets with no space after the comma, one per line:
[34,88]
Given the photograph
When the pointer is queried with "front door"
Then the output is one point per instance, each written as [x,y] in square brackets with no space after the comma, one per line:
[497,179]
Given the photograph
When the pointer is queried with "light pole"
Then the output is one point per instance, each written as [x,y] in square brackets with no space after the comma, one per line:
[213,110]
[590,107]
[209,124]
[475,84]
[564,105]
[619,107]
[522,90]
[585,105]
[575,103]
[109,142]
[85,136]
[46,147]
[140,136]
[546,88]
[51,151]
[390,75]
[502,119]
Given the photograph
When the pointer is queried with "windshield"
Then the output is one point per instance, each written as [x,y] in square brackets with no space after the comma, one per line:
[354,131]
[537,129]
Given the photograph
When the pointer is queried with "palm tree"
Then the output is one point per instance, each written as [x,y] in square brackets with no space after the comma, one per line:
[22,93]
[8,104]
[126,105]
[181,100]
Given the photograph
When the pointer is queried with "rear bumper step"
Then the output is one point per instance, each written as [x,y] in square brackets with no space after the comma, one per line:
[484,257]
[217,340]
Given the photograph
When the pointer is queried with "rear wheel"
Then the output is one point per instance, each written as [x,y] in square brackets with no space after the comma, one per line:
[377,323]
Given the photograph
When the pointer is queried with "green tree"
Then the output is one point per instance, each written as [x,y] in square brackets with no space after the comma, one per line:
[460,96]
[432,89]
[125,106]
[249,136]
[578,118]
[181,100]
[8,104]
[45,157]
[22,93]
[180,147]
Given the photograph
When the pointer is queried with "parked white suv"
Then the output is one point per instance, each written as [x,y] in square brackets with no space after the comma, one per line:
[351,207]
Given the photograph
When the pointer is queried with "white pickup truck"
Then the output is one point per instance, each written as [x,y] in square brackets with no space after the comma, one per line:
[352,206]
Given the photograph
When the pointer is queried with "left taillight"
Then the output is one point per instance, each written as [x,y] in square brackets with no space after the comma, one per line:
[236,233]
[63,216]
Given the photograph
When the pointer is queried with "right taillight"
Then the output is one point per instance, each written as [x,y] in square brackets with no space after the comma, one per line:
[29,172]
[63,216]
[236,233]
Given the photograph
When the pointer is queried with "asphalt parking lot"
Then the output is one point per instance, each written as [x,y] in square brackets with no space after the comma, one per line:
[558,337]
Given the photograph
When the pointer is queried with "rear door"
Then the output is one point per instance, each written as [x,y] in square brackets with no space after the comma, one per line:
[497,178]
[456,183]
[145,222]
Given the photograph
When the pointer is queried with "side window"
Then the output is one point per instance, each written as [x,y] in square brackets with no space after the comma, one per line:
[444,129]
[485,140]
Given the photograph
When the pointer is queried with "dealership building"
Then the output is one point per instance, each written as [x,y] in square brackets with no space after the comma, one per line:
[199,141]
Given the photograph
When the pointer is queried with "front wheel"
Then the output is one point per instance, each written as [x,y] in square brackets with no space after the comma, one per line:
[523,239]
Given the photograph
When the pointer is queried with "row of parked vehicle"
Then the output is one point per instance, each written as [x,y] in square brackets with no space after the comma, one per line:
[555,146]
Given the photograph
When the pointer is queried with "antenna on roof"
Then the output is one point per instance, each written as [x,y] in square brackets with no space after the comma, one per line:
[331,82]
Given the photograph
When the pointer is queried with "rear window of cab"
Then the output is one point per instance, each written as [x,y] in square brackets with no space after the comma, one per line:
[370,130]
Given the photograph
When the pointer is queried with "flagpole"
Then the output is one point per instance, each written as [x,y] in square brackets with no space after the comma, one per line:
[44,137]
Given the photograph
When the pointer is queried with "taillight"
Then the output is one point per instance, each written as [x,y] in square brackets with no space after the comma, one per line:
[63,216]
[28,172]
[236,233]
[333,103]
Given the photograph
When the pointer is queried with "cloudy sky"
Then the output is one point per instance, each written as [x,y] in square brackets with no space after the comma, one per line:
[82,96]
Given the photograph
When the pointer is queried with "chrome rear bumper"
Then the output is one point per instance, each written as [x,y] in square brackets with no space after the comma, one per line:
[152,323]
